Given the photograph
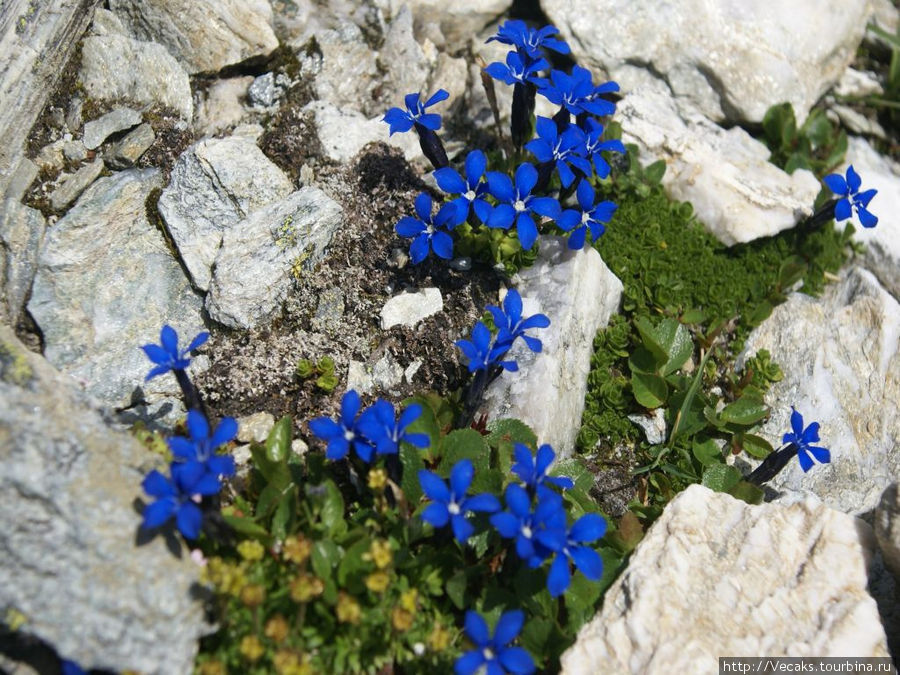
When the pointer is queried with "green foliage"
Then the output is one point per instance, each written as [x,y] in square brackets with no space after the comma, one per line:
[322,370]
[818,144]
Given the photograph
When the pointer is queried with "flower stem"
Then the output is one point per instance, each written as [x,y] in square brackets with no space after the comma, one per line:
[432,147]
[192,399]
[820,217]
[772,464]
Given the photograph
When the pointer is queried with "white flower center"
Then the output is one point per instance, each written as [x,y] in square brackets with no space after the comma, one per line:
[519,205]
[470,195]
[526,532]
[429,228]
[453,508]
[349,435]
[488,654]
[585,217]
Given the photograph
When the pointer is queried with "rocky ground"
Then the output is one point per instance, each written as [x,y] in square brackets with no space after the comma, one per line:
[224,167]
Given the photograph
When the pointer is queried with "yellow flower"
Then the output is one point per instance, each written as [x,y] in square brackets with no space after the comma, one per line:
[297,549]
[401,619]
[439,639]
[380,552]
[251,648]
[408,600]
[348,610]
[377,582]
[251,550]
[211,668]
[377,479]
[276,628]
[227,578]
[253,595]
[305,587]
[291,663]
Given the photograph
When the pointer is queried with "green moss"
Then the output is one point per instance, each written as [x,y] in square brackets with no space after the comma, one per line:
[14,366]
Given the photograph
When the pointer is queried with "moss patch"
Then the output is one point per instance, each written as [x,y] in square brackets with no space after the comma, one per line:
[14,366]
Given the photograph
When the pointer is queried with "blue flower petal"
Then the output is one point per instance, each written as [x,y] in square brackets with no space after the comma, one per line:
[434,486]
[157,485]
[842,210]
[588,562]
[462,528]
[559,578]
[436,514]
[516,659]
[508,627]
[477,629]
[461,478]
[589,527]
[449,180]
[469,663]
[188,519]
[158,513]
[837,184]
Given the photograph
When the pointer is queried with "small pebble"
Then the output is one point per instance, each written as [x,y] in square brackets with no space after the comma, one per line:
[461,264]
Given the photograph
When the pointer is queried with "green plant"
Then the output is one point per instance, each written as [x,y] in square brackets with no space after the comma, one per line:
[322,370]
[818,144]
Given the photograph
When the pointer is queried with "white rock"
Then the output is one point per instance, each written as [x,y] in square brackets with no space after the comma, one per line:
[737,194]
[715,576]
[457,21]
[223,105]
[204,35]
[577,291]
[98,130]
[381,377]
[117,68]
[858,83]
[731,58]
[653,426]
[855,122]
[409,308]
[841,360]
[403,58]
[882,256]
[216,183]
[260,255]
[255,427]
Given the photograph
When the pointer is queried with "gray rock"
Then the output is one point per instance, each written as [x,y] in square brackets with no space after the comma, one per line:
[19,179]
[204,35]
[70,564]
[255,427]
[841,362]
[260,255]
[855,122]
[458,22]
[379,377]
[887,528]
[74,151]
[105,285]
[409,308]
[126,153]
[107,23]
[882,242]
[223,105]
[262,91]
[50,158]
[653,426]
[117,68]
[577,291]
[737,193]
[72,186]
[98,130]
[858,83]
[405,64]
[731,58]
[21,234]
[716,576]
[216,183]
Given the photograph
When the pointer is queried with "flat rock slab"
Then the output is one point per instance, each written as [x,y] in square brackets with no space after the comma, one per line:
[255,266]
[732,58]
[126,153]
[577,291]
[840,355]
[105,285]
[68,559]
[98,130]
[215,184]
[715,576]
[72,187]
[411,307]
[736,193]
[204,35]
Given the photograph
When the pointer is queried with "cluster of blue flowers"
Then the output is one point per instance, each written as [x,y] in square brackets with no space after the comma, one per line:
[571,150]
[196,471]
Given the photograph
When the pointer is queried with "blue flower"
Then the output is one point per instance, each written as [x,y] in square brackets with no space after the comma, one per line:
[491,654]
[538,533]
[342,434]
[560,149]
[802,438]
[71,668]
[852,198]
[471,191]
[425,230]
[516,203]
[527,40]
[592,217]
[450,504]
[200,446]
[517,69]
[533,469]
[594,145]
[404,120]
[177,497]
[482,352]
[588,528]
[380,426]
[511,324]
[166,355]
[577,93]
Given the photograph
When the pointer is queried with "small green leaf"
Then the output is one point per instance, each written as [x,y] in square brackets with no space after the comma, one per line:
[747,492]
[412,462]
[756,446]
[327,383]
[456,589]
[654,172]
[707,452]
[649,339]
[675,339]
[649,390]
[325,557]
[247,527]
[642,360]
[352,563]
[464,444]
[325,366]
[305,368]
[284,513]
[278,443]
[720,477]
[693,316]
[746,411]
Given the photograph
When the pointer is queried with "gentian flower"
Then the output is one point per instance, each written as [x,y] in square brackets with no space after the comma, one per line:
[592,217]
[200,446]
[404,120]
[594,145]
[450,504]
[517,203]
[342,434]
[851,197]
[426,230]
[482,352]
[589,527]
[538,533]
[527,40]
[471,191]
[71,668]
[577,93]
[511,324]
[560,149]
[517,69]
[177,497]
[491,654]
[380,426]
[166,355]
[532,470]
[803,438]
